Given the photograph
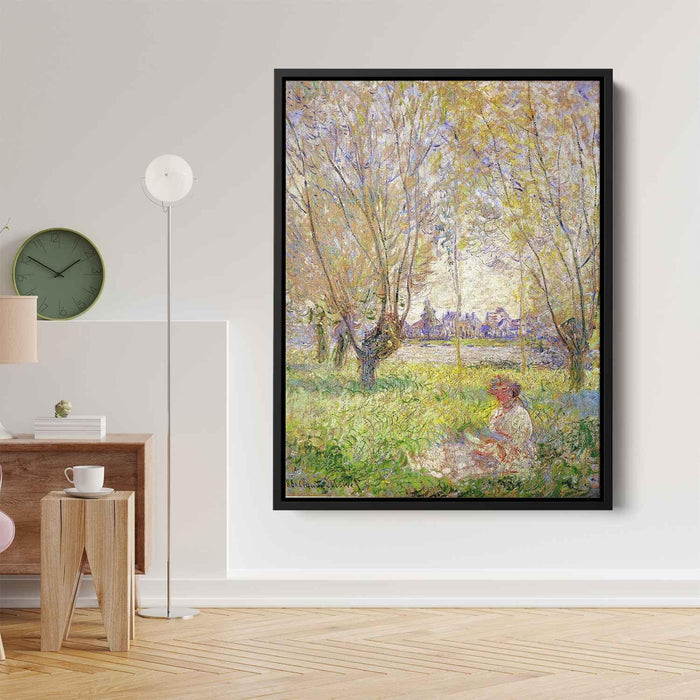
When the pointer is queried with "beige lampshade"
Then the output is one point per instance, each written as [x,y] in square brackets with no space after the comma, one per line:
[17,329]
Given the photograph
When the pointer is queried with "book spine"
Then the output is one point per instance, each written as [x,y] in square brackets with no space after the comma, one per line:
[42,435]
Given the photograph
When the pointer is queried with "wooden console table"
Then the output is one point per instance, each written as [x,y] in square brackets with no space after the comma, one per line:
[32,468]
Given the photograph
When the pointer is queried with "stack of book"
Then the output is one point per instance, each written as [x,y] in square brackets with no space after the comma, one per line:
[70,428]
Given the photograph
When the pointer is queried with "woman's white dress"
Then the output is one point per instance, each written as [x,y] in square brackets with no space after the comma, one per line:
[514,449]
[510,449]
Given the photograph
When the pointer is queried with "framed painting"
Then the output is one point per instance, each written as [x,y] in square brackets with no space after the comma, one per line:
[443,289]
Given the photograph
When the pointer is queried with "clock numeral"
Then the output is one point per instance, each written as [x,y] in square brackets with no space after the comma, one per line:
[79,303]
[89,253]
[56,238]
[22,278]
[62,309]
[42,307]
[95,271]
[39,244]
[76,242]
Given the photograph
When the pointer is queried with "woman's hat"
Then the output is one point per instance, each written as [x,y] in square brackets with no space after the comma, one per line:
[502,382]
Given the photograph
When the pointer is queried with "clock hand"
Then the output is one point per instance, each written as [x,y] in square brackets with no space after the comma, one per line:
[57,274]
[67,268]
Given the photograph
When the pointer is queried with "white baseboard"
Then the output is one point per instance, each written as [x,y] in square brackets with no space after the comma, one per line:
[414,588]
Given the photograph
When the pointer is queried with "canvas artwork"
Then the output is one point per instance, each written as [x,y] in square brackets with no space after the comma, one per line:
[443,289]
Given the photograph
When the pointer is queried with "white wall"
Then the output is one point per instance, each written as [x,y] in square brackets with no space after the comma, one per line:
[117,369]
[90,91]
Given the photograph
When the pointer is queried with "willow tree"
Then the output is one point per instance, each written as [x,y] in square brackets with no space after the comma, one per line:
[545,164]
[307,296]
[462,205]
[362,164]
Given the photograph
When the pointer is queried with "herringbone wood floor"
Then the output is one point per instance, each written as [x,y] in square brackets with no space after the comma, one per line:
[366,653]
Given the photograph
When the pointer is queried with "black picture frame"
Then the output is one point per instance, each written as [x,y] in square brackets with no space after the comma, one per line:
[605,501]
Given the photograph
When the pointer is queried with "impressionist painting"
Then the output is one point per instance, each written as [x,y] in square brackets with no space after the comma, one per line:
[441,290]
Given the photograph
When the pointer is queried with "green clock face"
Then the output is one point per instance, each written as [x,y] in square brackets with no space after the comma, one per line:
[61,267]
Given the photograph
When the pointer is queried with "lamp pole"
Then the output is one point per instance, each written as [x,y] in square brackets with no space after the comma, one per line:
[169,446]
[168,180]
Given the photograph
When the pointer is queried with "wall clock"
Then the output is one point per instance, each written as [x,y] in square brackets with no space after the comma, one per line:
[61,267]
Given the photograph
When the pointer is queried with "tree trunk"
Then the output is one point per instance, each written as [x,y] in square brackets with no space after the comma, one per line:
[458,293]
[381,342]
[321,343]
[521,335]
[458,335]
[577,369]
[340,351]
[368,371]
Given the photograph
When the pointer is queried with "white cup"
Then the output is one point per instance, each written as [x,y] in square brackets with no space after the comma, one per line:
[86,477]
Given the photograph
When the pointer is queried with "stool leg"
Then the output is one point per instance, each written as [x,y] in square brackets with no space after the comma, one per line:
[107,540]
[134,581]
[74,596]
[137,592]
[134,585]
[72,558]
[51,627]
[123,574]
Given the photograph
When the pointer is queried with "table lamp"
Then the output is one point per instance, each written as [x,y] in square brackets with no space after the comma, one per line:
[17,335]
[167,181]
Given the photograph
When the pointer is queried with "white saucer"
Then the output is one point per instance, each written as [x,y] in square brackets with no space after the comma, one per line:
[88,494]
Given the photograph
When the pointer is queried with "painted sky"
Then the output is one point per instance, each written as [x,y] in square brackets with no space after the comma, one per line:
[483,289]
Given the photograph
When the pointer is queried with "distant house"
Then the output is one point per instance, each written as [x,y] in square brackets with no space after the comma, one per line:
[468,326]
[428,327]
[413,330]
[497,324]
[425,331]
[448,322]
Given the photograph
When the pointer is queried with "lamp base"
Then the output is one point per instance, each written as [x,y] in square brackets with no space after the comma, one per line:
[5,434]
[165,614]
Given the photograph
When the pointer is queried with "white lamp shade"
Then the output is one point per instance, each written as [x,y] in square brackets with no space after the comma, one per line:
[17,329]
[168,178]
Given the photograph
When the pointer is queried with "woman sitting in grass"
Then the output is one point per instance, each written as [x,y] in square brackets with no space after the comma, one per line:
[509,447]
[506,448]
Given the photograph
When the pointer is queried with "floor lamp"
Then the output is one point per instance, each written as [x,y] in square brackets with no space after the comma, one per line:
[168,180]
[17,336]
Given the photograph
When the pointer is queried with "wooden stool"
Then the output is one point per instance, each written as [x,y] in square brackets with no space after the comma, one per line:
[101,532]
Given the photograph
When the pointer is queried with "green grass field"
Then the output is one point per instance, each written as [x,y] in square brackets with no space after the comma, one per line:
[343,440]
